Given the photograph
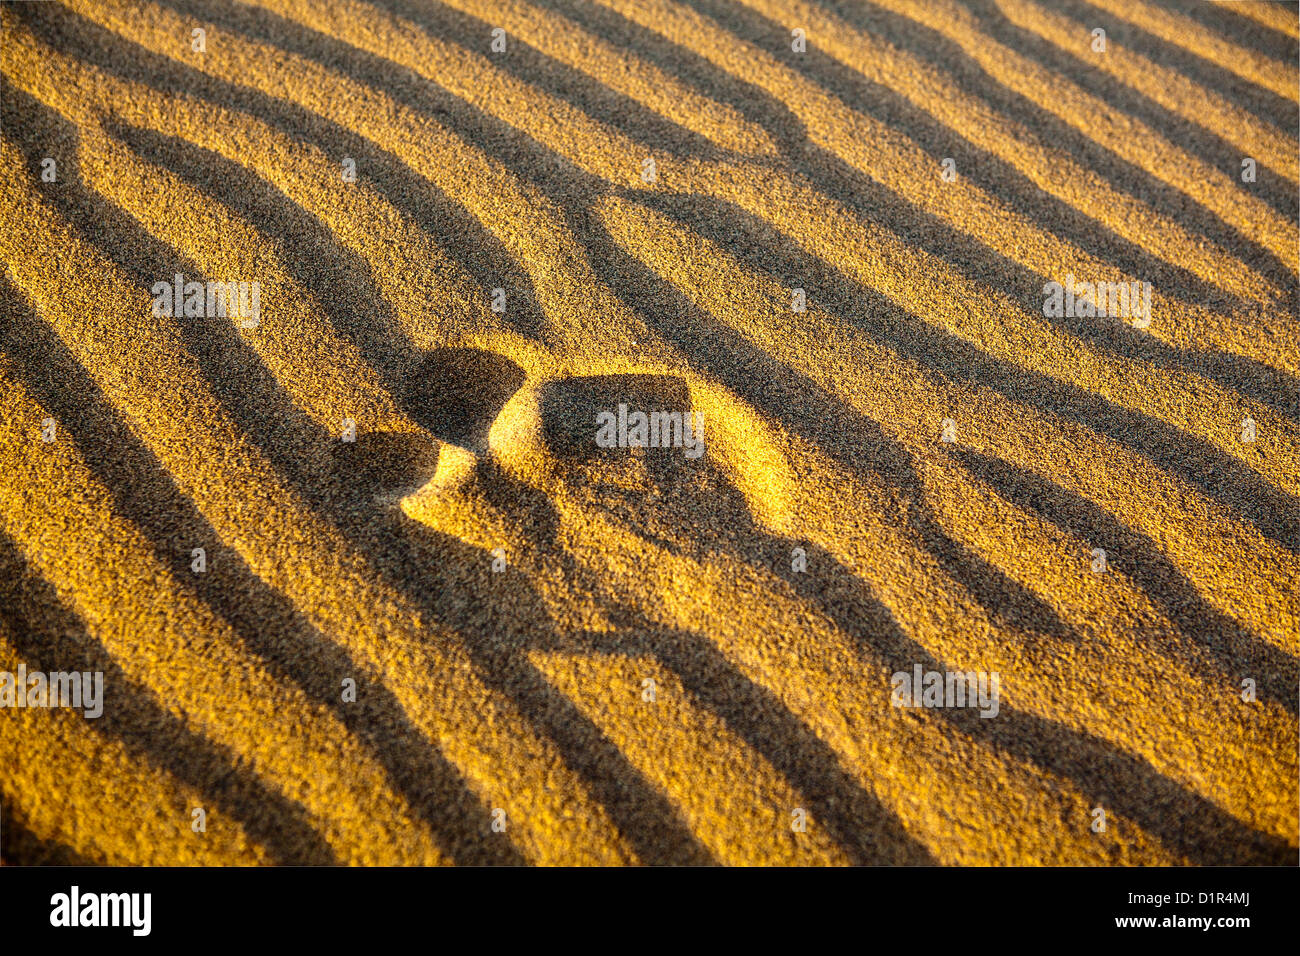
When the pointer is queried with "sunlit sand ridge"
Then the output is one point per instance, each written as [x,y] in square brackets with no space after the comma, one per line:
[438,620]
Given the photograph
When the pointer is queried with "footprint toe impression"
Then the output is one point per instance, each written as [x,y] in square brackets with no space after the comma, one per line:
[608,418]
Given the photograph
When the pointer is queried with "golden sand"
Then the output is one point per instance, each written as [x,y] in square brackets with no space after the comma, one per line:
[564,654]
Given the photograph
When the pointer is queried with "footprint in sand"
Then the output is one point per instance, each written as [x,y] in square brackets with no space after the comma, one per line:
[497,433]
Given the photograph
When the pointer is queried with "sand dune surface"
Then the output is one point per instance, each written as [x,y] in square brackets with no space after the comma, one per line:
[628,398]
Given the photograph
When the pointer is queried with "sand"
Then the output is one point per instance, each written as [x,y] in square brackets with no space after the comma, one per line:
[433,622]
